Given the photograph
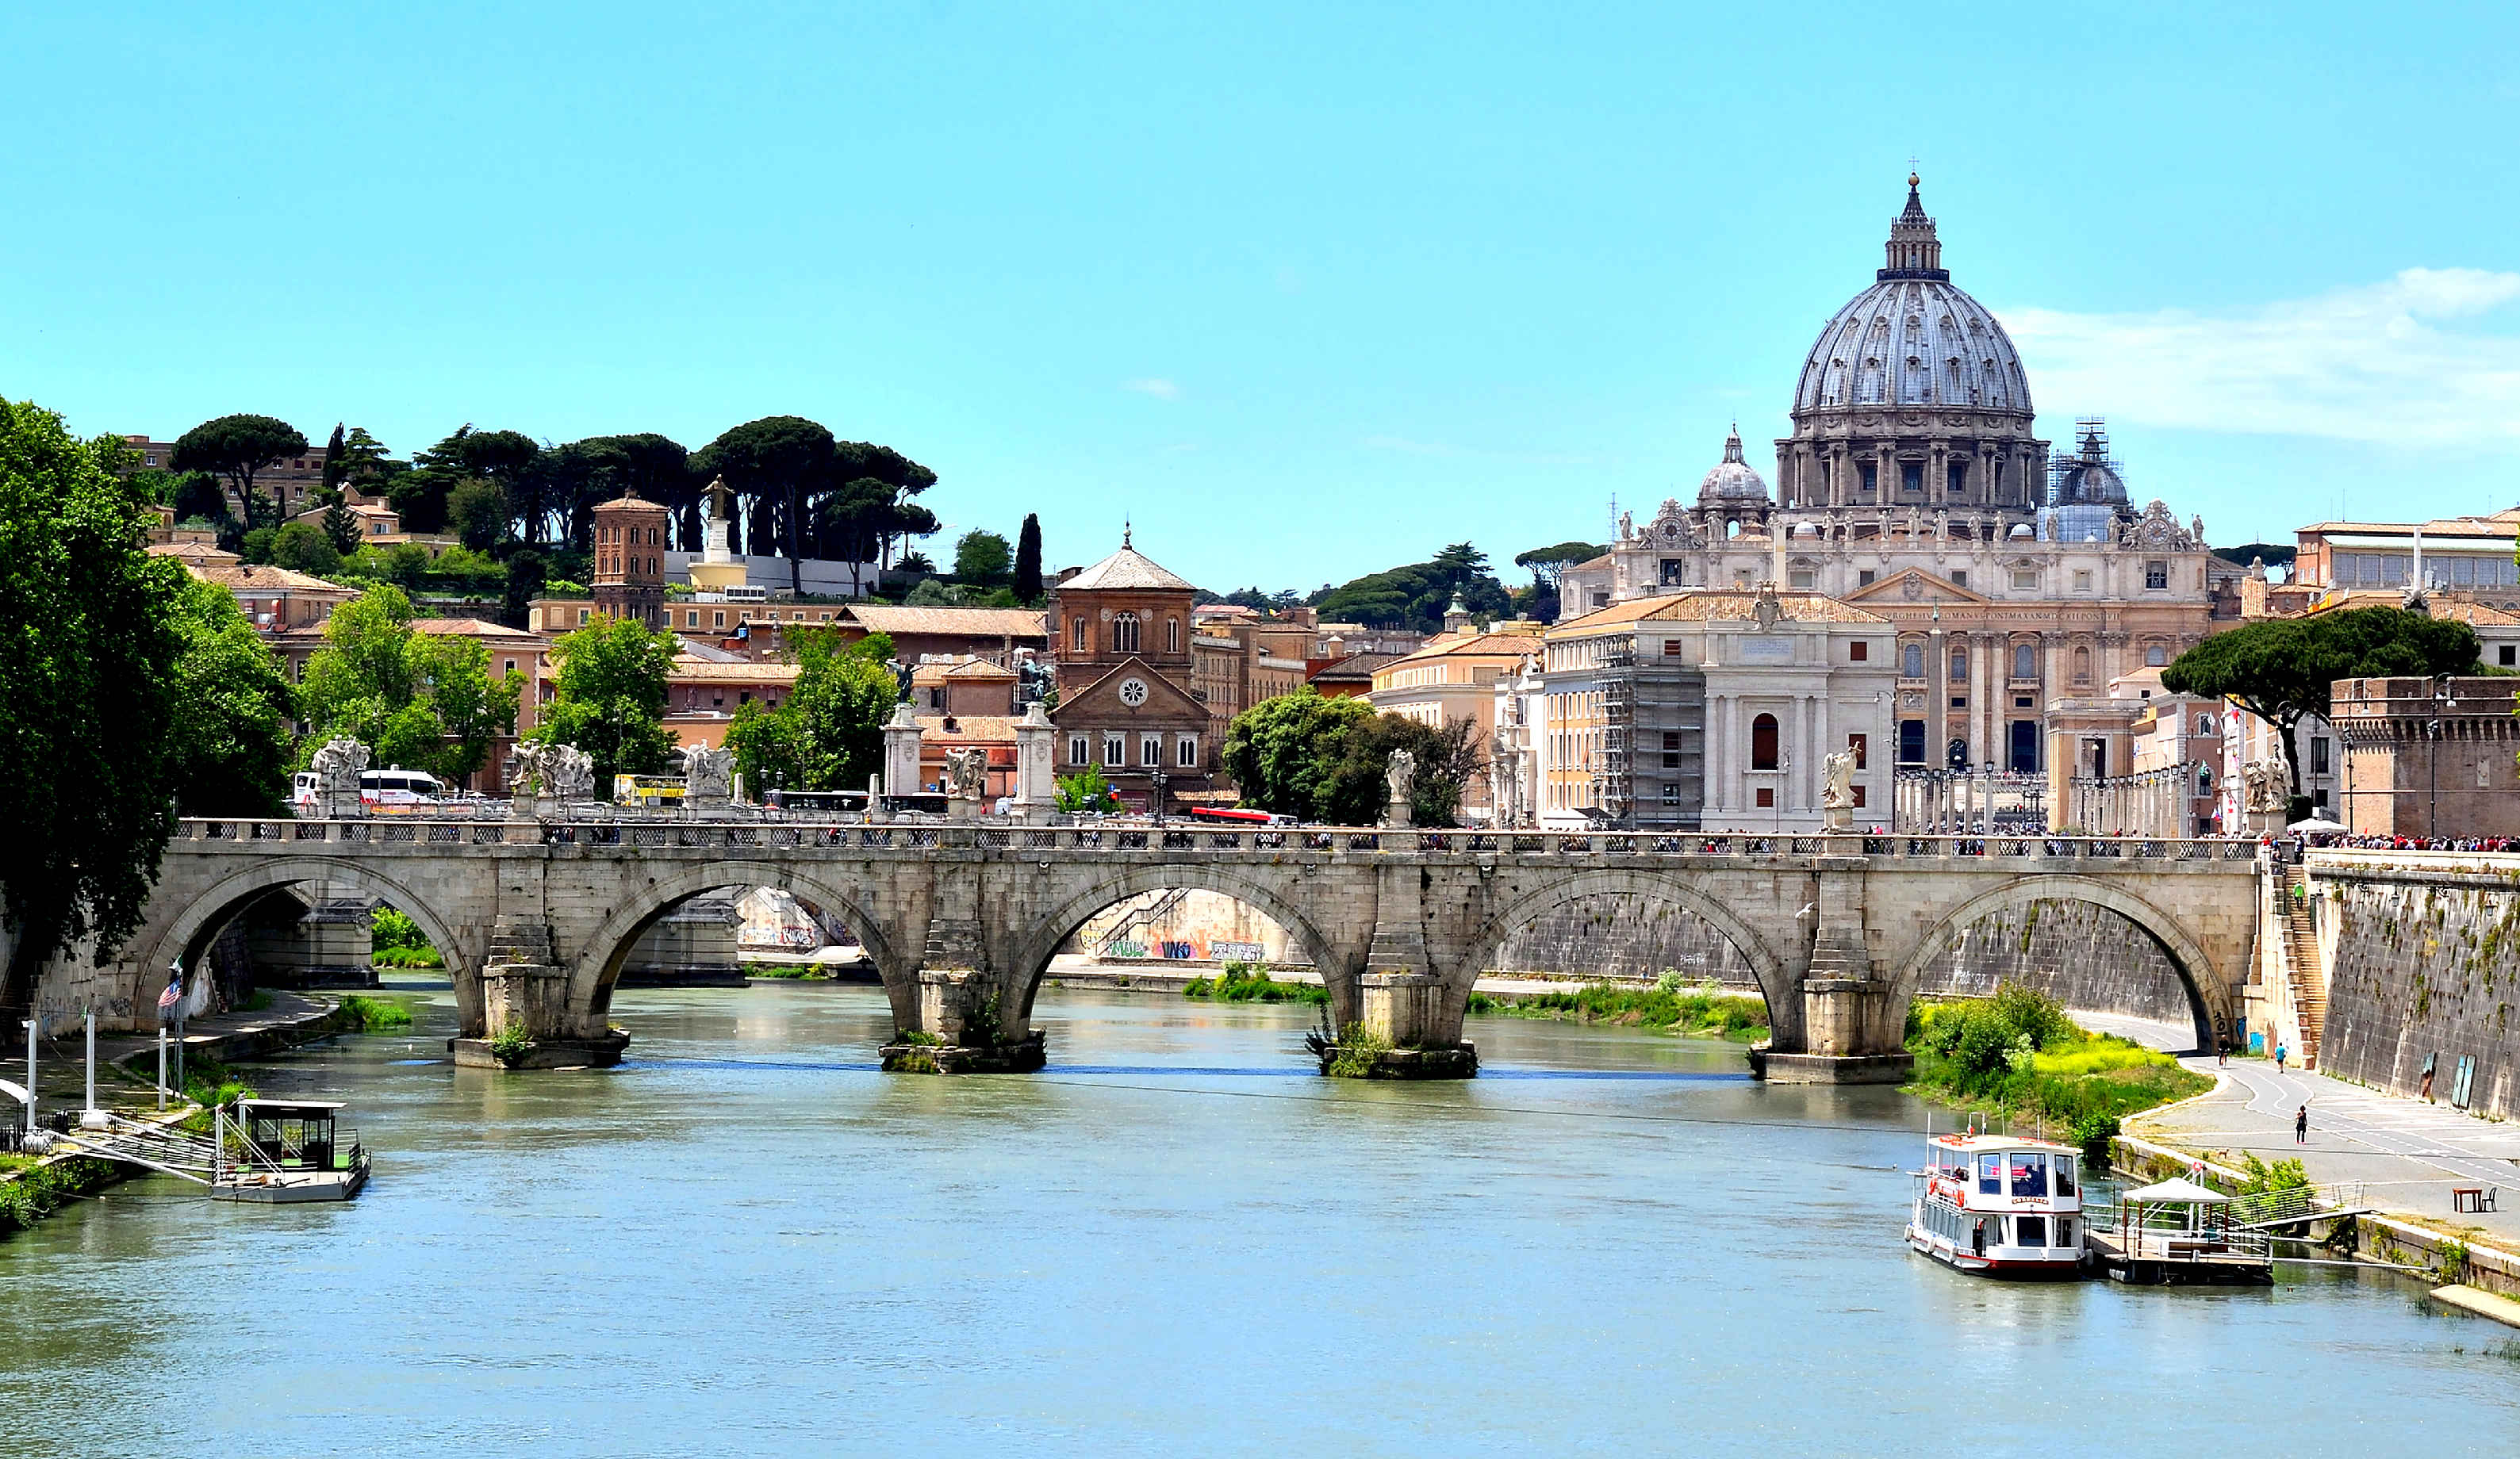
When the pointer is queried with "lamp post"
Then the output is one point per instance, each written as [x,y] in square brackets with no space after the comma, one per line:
[1159,781]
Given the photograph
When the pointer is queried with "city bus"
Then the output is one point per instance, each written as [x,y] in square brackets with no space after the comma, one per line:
[648,790]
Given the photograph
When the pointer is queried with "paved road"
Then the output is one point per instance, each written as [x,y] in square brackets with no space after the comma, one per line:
[2406,1153]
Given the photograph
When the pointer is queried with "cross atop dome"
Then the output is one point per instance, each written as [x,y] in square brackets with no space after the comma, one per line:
[1914,253]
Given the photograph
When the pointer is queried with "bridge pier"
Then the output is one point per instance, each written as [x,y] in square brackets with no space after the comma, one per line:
[967,1025]
[522,989]
[1854,1020]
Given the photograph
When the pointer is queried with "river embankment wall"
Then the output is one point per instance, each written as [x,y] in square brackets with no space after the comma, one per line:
[2421,951]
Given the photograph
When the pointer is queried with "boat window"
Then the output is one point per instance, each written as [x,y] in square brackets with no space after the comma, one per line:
[2029,1173]
[1990,1174]
[2064,1177]
[2032,1230]
[2064,1230]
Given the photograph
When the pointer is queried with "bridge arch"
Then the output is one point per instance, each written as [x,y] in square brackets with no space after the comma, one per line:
[2208,993]
[597,966]
[1031,955]
[198,916]
[1777,983]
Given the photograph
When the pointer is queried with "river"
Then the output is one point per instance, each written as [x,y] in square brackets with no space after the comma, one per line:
[1177,1241]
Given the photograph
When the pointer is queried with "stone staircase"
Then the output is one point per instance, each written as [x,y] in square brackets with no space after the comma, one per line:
[525,943]
[2301,963]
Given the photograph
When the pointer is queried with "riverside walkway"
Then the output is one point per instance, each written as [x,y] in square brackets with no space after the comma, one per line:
[2408,1154]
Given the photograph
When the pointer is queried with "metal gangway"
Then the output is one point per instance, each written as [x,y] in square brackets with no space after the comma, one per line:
[218,1158]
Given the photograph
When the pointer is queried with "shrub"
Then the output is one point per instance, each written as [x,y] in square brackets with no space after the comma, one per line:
[1360,1049]
[375,1015]
[510,1043]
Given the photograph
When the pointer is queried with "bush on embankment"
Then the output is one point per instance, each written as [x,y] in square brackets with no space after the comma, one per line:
[1250,983]
[2017,1055]
[1702,1011]
[375,1015]
[38,1190]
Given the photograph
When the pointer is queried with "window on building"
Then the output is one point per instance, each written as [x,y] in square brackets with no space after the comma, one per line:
[1955,474]
[1763,742]
[1767,797]
[1078,749]
[1867,473]
[2156,655]
[2082,663]
[1858,788]
[1076,634]
[1674,572]
[717,618]
[1912,741]
[1959,577]
[1116,751]
[1864,577]
[1859,652]
[1172,635]
[2082,580]
[1803,577]
[1959,666]
[2508,656]
[1911,477]
[1671,794]
[2157,575]
[1912,661]
[1670,749]
[1150,750]
[1859,746]
[581,617]
[1124,633]
[2025,578]
[1600,598]
[2025,661]
[1185,752]
[2319,754]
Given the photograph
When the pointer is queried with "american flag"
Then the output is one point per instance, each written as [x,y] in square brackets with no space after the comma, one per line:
[173,994]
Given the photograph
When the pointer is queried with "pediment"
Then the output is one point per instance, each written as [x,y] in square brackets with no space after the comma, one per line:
[1915,584]
[1102,700]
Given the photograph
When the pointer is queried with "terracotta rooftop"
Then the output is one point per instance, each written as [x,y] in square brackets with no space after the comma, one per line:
[1356,667]
[2453,610]
[966,671]
[996,623]
[232,575]
[994,727]
[1504,645]
[690,670]
[1714,606]
[466,628]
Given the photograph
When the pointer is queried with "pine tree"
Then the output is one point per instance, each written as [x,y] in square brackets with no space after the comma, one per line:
[1028,561]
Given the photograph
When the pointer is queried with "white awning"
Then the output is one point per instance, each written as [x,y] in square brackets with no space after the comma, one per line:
[2177,1191]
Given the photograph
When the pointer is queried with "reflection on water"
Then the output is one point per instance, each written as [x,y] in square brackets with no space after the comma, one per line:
[1175,1241]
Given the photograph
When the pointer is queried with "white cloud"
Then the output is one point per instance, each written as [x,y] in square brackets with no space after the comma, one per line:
[2400,362]
[1158,387]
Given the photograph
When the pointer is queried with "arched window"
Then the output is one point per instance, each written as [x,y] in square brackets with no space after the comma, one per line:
[1124,633]
[2156,655]
[1912,661]
[2081,664]
[2025,661]
[1763,742]
[1959,665]
[1172,633]
[1078,637]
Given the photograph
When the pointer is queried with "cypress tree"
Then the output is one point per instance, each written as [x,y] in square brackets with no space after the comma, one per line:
[1028,561]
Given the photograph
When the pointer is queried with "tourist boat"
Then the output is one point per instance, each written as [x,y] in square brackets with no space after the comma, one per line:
[2000,1206]
[286,1150]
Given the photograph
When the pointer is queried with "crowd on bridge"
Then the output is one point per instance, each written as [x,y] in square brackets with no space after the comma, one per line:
[2418,843]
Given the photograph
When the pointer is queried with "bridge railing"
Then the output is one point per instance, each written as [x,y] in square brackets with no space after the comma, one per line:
[993,833]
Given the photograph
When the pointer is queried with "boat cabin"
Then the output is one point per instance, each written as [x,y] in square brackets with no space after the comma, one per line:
[295,1134]
[2000,1205]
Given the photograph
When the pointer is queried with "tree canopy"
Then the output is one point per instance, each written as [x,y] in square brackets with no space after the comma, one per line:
[610,697]
[414,699]
[1548,564]
[235,712]
[88,694]
[982,558]
[241,448]
[303,546]
[1415,596]
[1027,584]
[1324,760]
[830,734]
[2281,669]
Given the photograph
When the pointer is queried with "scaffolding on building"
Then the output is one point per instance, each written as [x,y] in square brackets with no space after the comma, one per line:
[1614,772]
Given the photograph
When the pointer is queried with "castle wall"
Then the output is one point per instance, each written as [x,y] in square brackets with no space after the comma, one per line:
[2422,963]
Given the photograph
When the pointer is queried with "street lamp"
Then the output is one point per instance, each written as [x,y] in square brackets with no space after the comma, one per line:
[1160,781]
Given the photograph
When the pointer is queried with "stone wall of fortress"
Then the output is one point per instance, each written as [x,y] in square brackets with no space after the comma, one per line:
[2422,952]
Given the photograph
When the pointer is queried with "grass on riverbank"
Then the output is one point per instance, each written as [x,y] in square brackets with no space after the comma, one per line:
[1699,1011]
[31,1191]
[375,1015]
[2018,1056]
[801,972]
[1250,983]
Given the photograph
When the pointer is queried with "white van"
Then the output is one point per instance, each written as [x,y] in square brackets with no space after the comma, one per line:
[378,789]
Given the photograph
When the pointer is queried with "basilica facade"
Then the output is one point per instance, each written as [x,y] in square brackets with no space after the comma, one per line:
[2014,580]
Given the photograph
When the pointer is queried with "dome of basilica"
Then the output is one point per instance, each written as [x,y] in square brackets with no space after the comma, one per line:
[1733,479]
[1914,337]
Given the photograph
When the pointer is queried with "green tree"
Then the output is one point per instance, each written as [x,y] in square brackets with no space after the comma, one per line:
[88,690]
[241,448]
[1027,584]
[1088,790]
[787,461]
[366,464]
[195,496]
[340,528]
[611,697]
[1283,752]
[336,466]
[2281,669]
[830,734]
[769,746]
[1548,564]
[525,580]
[302,546]
[982,557]
[1417,596]
[477,511]
[235,713]
[257,544]
[412,700]
[1354,790]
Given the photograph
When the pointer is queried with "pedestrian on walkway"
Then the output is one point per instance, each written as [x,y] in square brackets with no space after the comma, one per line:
[2301,1126]
[2280,1052]
[2428,1084]
[2222,1052]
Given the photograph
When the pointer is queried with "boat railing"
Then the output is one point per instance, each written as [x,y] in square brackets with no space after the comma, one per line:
[2175,1232]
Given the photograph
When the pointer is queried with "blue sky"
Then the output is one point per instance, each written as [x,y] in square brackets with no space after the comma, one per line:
[1305,293]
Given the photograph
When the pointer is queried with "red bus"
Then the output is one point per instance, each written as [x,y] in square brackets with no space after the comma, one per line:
[1244,817]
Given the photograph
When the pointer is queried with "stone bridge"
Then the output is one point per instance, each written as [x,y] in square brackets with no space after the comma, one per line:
[960,919]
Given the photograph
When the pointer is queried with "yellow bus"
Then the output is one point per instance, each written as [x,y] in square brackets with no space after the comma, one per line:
[647,790]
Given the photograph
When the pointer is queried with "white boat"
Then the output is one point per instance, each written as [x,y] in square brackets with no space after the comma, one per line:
[2000,1206]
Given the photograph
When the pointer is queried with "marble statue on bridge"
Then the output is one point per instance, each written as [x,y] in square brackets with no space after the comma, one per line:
[1837,789]
[708,775]
[337,766]
[1397,772]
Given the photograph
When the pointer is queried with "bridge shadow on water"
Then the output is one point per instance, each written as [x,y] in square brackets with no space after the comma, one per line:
[1195,1071]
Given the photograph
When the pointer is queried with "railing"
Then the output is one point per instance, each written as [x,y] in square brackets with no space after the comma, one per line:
[589,827]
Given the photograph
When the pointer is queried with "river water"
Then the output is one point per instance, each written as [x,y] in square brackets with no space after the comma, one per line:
[1177,1241]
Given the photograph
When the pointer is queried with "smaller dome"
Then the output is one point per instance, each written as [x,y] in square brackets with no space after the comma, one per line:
[1733,480]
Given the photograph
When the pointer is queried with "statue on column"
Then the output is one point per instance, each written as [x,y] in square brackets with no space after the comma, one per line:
[337,766]
[1397,774]
[1837,789]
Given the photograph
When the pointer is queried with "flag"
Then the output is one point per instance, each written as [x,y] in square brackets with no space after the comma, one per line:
[173,994]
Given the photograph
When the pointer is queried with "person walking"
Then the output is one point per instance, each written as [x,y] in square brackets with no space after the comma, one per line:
[2222,1052]
[2280,1052]
[2301,1126]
